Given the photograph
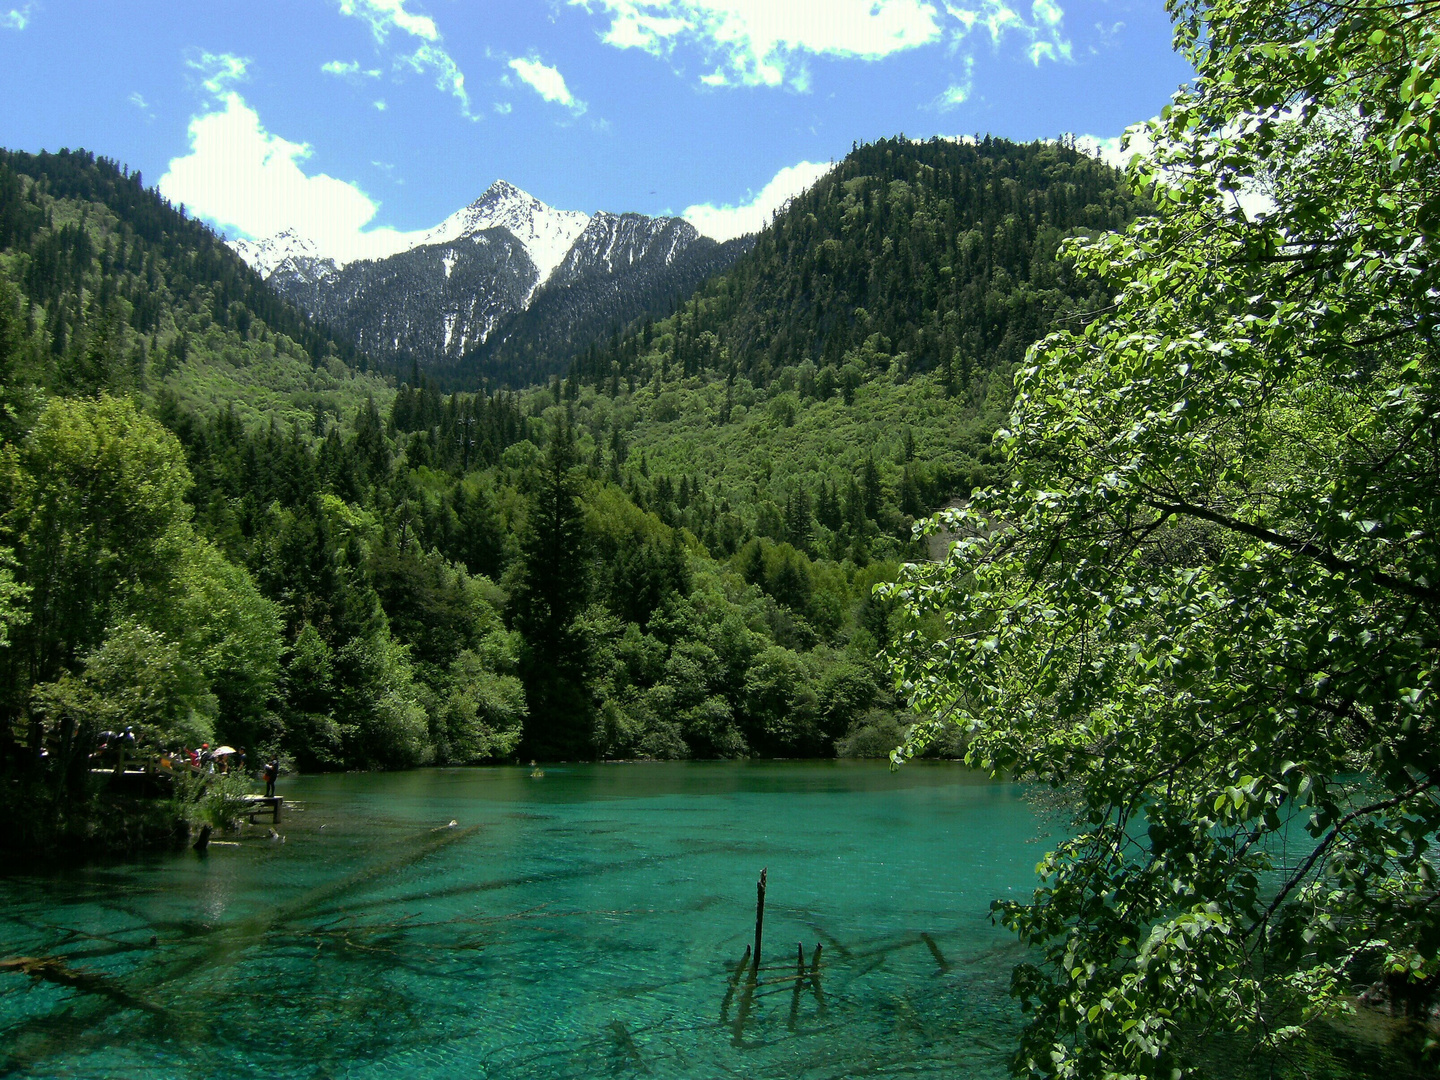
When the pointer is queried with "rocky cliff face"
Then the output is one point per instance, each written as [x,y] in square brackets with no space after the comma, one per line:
[620,269]
[430,304]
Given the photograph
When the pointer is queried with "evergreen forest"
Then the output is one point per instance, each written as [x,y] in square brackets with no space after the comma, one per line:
[668,553]
[1120,484]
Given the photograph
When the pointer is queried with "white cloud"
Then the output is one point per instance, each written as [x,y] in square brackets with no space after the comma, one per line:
[504,108]
[350,70]
[758,42]
[448,76]
[727,222]
[1255,197]
[1047,13]
[219,69]
[380,105]
[1109,36]
[1044,33]
[248,180]
[387,16]
[16,18]
[138,100]
[1118,150]
[957,93]
[547,82]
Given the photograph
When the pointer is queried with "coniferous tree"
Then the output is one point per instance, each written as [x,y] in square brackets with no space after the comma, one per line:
[870,488]
[552,593]
[799,528]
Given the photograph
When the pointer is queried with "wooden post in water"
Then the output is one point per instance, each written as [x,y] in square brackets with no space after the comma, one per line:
[815,976]
[799,984]
[734,982]
[759,922]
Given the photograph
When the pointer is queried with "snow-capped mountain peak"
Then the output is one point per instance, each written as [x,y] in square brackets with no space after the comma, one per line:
[505,273]
[265,256]
[544,232]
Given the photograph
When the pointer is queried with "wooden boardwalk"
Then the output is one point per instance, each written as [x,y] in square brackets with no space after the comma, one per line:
[264,804]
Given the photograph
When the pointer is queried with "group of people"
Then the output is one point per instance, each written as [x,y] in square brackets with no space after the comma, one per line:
[222,760]
[119,747]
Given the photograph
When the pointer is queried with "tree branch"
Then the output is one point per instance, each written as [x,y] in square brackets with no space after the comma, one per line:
[1324,846]
[1323,556]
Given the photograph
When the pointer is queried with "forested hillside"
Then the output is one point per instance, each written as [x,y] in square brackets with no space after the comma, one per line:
[846,376]
[670,554]
[938,254]
[146,253]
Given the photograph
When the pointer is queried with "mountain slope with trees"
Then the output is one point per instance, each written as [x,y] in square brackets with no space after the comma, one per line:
[422,305]
[621,269]
[672,559]
[848,372]
[940,254]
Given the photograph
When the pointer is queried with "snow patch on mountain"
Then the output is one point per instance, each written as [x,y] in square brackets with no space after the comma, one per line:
[301,254]
[613,242]
[545,233]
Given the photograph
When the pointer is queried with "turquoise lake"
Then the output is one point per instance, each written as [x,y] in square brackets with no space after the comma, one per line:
[586,923]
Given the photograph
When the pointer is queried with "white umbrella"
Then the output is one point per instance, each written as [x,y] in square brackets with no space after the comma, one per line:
[221,751]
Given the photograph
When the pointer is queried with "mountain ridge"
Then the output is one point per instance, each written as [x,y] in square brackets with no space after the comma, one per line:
[456,300]
[546,233]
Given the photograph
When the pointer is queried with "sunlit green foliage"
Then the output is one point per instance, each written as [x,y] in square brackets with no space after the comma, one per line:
[130,619]
[1206,604]
[674,563]
[118,291]
[937,256]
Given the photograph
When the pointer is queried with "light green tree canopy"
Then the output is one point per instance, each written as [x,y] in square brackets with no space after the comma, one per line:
[137,678]
[12,596]
[1206,600]
[95,506]
[121,614]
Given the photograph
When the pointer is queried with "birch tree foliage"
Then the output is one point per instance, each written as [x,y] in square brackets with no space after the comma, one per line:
[1205,602]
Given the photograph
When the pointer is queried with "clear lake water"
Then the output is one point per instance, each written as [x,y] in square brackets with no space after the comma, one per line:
[589,922]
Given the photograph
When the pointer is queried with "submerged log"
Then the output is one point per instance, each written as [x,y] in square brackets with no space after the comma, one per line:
[625,1043]
[54,969]
[759,923]
[935,952]
[215,947]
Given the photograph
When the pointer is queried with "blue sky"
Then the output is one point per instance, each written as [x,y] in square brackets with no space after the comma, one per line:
[357,121]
